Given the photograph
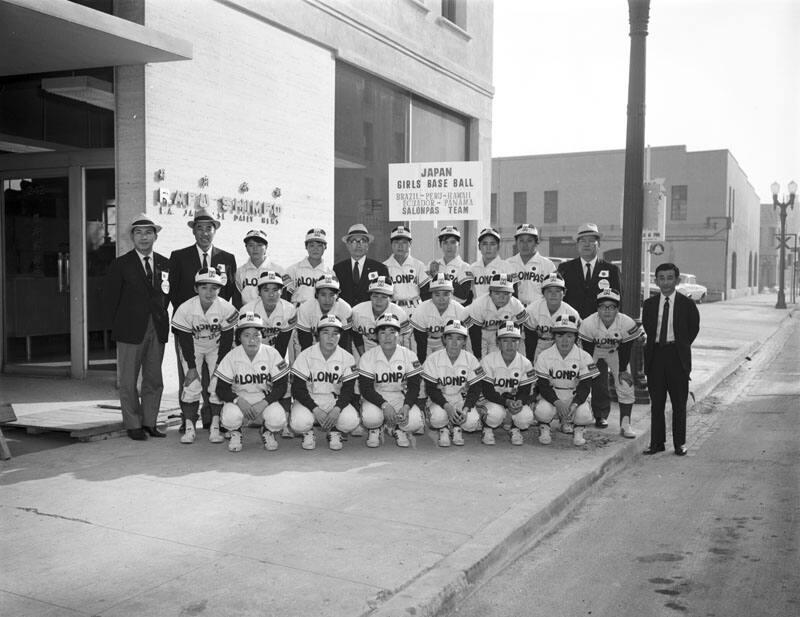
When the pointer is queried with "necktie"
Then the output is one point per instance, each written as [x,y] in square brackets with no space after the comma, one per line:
[662,335]
[148,270]
[588,272]
[205,261]
[356,274]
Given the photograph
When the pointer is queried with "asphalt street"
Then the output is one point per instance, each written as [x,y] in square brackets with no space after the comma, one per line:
[710,534]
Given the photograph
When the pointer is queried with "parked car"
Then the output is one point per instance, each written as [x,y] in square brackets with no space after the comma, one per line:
[690,288]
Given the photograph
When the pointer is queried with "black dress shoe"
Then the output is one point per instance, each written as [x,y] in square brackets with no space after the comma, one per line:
[653,450]
[137,434]
[681,450]
[601,422]
[153,432]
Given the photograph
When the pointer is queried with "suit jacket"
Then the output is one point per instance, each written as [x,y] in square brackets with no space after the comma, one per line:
[354,292]
[131,299]
[184,264]
[685,323]
[582,295]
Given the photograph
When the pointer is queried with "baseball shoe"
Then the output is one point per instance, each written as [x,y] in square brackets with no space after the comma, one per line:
[488,436]
[577,437]
[625,428]
[270,443]
[214,436]
[516,437]
[544,435]
[189,434]
[374,438]
[235,443]
[601,422]
[458,436]
[401,438]
[444,437]
[335,440]
[309,441]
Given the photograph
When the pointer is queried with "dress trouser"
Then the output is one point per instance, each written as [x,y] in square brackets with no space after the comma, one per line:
[146,357]
[601,395]
[666,376]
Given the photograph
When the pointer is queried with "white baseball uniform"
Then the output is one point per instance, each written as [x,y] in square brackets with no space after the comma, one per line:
[363,321]
[454,380]
[309,313]
[539,319]
[407,279]
[427,318]
[564,374]
[507,379]
[458,270]
[205,328]
[301,278]
[484,313]
[248,274]
[481,274]
[390,376]
[282,318]
[529,276]
[607,341]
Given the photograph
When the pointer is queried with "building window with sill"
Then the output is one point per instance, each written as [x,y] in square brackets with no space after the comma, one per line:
[455,11]
[679,203]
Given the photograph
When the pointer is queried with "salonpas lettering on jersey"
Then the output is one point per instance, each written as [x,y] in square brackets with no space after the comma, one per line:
[530,276]
[506,382]
[207,328]
[452,380]
[327,377]
[563,374]
[259,378]
[389,377]
[404,278]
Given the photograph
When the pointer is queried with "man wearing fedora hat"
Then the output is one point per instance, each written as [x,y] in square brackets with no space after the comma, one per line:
[185,263]
[354,273]
[135,294]
[585,277]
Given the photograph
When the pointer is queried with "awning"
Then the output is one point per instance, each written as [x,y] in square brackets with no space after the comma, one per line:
[40,36]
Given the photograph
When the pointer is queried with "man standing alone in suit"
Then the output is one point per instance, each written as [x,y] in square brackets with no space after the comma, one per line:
[135,294]
[353,273]
[671,322]
[184,264]
[585,277]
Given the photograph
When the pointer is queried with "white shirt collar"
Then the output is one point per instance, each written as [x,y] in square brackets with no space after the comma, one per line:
[207,252]
[593,263]
[360,261]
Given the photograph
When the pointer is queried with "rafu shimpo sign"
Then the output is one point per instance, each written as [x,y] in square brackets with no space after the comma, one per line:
[184,203]
[434,191]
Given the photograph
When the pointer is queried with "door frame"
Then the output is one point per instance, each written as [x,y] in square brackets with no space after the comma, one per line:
[71,164]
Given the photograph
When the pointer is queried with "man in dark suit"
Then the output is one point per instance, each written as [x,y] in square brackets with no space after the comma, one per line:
[135,295]
[354,273]
[184,264]
[585,277]
[671,322]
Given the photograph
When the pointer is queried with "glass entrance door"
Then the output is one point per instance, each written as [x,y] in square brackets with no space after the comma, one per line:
[36,277]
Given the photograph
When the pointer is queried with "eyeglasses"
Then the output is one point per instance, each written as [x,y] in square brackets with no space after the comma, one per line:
[358,240]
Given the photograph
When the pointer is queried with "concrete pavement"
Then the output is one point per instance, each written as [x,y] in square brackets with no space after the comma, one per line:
[118,527]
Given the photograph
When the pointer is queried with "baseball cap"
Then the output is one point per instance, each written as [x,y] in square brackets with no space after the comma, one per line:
[329,321]
[327,281]
[401,231]
[501,282]
[269,276]
[441,281]
[381,286]
[509,330]
[315,234]
[256,234]
[250,320]
[554,279]
[455,326]
[610,295]
[526,229]
[449,230]
[565,323]
[208,275]
[489,231]
[387,320]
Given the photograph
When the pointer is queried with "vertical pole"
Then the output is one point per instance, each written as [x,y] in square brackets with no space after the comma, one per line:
[781,304]
[633,196]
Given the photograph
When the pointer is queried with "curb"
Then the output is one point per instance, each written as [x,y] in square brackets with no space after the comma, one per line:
[438,589]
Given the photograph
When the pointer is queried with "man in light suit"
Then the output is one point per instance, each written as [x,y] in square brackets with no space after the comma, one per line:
[135,295]
[354,273]
[184,264]
[671,322]
[585,277]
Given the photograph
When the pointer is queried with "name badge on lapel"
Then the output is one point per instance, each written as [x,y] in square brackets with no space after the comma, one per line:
[222,274]
[165,282]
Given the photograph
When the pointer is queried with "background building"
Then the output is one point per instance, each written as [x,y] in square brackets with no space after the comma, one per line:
[279,115]
[712,211]
[770,253]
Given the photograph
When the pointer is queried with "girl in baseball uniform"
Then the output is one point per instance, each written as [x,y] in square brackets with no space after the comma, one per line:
[252,379]
[323,384]
[407,274]
[203,326]
[249,273]
[491,311]
[326,301]
[306,272]
[365,315]
[389,380]
[542,313]
[453,379]
[530,266]
[608,335]
[507,381]
[564,379]
[489,264]
[451,264]
[279,315]
[431,317]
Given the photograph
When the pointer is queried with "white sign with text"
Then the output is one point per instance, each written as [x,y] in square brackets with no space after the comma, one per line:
[431,191]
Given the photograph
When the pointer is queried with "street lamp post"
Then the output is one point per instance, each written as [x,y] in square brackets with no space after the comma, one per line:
[783,205]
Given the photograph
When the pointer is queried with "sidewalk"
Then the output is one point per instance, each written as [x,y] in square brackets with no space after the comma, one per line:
[118,527]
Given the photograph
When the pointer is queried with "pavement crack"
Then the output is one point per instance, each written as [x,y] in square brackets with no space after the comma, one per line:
[65,518]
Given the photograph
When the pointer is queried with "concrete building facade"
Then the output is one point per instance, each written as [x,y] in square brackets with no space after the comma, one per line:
[277,114]
[712,211]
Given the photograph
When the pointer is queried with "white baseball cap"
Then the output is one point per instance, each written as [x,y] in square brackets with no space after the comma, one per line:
[554,279]
[258,235]
[329,321]
[501,282]
[565,323]
[455,326]
[316,234]
[381,286]
[269,276]
[327,281]
[526,229]
[208,275]
[509,330]
[449,230]
[401,231]
[389,320]
[610,295]
[441,282]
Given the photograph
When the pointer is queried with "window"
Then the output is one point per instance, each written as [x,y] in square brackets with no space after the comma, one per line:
[520,207]
[678,206]
[493,213]
[733,270]
[551,206]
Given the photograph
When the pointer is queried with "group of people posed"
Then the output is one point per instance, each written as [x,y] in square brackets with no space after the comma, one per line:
[387,348]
